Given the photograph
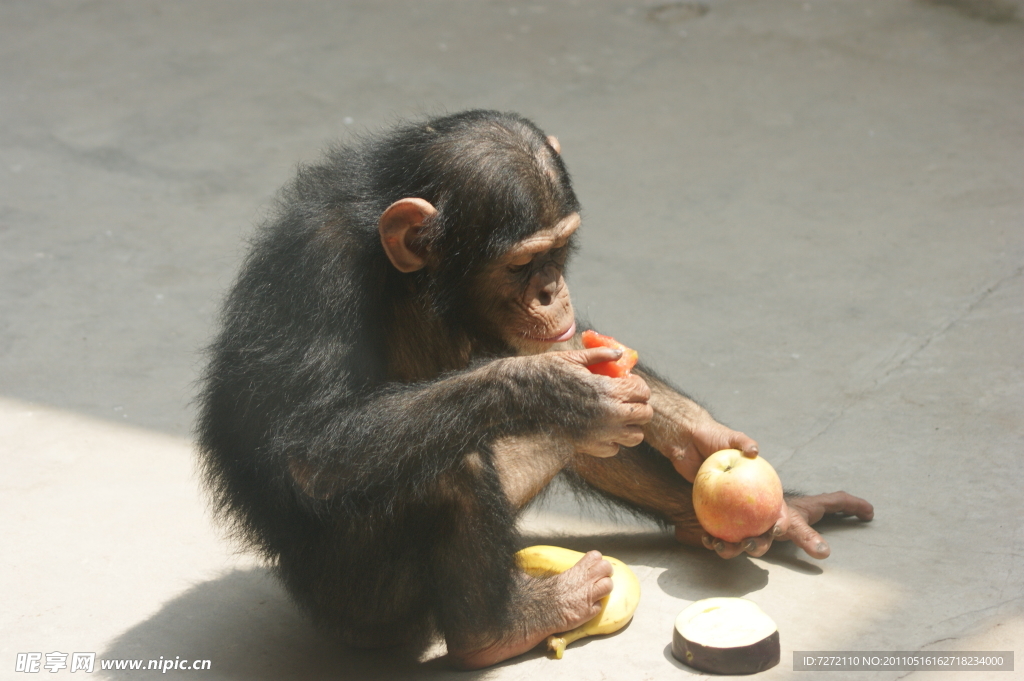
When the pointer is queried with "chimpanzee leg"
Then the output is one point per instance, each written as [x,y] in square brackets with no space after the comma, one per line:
[478,597]
[526,465]
[362,578]
[640,477]
[486,607]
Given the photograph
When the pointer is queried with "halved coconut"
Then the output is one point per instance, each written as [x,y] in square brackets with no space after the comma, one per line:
[726,636]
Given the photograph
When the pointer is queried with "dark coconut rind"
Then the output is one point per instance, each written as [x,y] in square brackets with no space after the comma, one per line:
[750,659]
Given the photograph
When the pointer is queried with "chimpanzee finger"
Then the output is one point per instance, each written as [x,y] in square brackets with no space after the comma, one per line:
[586,357]
[602,588]
[630,436]
[804,536]
[628,414]
[745,444]
[723,548]
[636,389]
[638,414]
[630,388]
[600,450]
[757,546]
[847,504]
[782,524]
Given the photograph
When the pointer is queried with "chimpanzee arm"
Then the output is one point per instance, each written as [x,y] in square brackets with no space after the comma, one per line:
[684,432]
[643,480]
[399,439]
[650,477]
[681,429]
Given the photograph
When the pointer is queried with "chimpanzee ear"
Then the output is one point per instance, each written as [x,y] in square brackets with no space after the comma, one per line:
[400,226]
[553,143]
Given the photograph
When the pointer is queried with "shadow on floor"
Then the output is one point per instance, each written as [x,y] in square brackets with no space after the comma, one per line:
[693,573]
[245,624]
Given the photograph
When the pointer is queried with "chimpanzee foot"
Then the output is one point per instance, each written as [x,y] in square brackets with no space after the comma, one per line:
[565,601]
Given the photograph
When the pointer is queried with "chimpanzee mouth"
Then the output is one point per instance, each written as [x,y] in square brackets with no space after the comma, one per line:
[560,338]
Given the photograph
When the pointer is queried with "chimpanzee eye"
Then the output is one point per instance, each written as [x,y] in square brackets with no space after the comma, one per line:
[521,263]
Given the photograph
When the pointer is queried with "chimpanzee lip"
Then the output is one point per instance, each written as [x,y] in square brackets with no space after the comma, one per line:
[560,338]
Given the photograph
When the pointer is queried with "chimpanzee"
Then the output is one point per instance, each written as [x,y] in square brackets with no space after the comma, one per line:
[398,375]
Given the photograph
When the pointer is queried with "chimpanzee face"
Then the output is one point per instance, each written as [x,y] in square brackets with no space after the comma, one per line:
[524,294]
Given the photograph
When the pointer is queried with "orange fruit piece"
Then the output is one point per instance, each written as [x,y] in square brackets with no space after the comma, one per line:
[616,369]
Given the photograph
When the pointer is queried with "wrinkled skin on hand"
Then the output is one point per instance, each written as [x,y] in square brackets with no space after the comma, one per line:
[797,515]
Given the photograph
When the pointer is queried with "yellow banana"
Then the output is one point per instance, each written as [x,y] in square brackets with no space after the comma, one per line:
[616,608]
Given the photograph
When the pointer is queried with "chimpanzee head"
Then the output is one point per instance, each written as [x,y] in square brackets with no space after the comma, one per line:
[480,217]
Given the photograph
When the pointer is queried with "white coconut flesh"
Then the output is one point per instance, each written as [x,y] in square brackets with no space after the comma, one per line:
[726,636]
[728,627]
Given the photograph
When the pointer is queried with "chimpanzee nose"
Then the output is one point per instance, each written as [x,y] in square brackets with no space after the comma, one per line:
[549,290]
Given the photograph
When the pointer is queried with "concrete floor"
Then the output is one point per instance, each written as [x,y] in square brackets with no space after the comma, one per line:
[809,214]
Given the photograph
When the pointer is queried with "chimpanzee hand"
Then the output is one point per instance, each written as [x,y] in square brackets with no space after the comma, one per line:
[699,437]
[795,520]
[624,400]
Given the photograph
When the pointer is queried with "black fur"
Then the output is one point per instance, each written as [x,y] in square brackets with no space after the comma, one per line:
[410,531]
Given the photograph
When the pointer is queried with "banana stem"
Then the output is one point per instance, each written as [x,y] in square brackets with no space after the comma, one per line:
[557,644]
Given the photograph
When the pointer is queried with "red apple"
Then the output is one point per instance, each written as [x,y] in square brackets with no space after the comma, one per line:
[736,497]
